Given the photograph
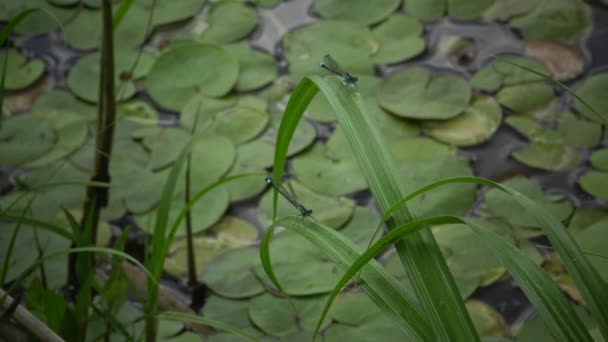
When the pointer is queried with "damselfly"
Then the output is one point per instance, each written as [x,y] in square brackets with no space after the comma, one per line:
[290,197]
[330,64]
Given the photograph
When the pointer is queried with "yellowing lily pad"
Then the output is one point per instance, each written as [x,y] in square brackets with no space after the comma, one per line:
[477,124]
[416,93]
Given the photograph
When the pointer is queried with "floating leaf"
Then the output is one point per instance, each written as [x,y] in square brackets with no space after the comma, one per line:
[599,159]
[61,100]
[361,11]
[549,156]
[251,157]
[241,123]
[303,137]
[36,23]
[189,69]
[592,91]
[563,20]
[535,329]
[487,321]
[477,124]
[505,72]
[231,312]
[526,97]
[21,72]
[433,9]
[415,93]
[506,9]
[563,61]
[164,145]
[349,43]
[167,11]
[83,79]
[334,212]
[595,183]
[25,138]
[399,38]
[228,22]
[231,274]
[256,69]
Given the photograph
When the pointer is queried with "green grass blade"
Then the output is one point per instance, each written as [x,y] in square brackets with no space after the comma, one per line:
[180,316]
[298,101]
[590,284]
[120,12]
[432,282]
[603,118]
[379,285]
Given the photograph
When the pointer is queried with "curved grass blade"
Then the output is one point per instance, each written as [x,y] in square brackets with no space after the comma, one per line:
[604,117]
[381,287]
[588,281]
[179,316]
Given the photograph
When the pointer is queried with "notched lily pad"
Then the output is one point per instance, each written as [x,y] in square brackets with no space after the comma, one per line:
[231,274]
[20,72]
[227,22]
[595,183]
[416,93]
[399,38]
[593,92]
[251,157]
[189,69]
[256,69]
[505,71]
[526,97]
[25,138]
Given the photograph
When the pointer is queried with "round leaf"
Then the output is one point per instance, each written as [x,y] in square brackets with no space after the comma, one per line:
[361,11]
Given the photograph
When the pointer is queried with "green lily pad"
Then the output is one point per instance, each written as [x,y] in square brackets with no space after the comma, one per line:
[61,100]
[593,240]
[251,157]
[584,218]
[500,204]
[361,226]
[562,20]
[433,9]
[476,125]
[201,110]
[303,137]
[241,123]
[359,11]
[228,22]
[230,232]
[501,72]
[21,72]
[83,79]
[71,132]
[136,186]
[579,132]
[526,97]
[592,91]
[375,329]
[399,38]
[334,212]
[349,43]
[256,69]
[167,11]
[327,175]
[504,10]
[25,138]
[232,312]
[281,316]
[487,321]
[139,111]
[549,156]
[189,69]
[165,145]
[39,22]
[231,274]
[599,159]
[416,93]
[422,161]
[354,309]
[212,157]
[594,183]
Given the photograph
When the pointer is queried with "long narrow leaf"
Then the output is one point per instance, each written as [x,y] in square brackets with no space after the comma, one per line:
[40,224]
[382,288]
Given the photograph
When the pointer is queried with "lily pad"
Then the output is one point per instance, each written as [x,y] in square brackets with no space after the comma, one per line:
[549,156]
[39,22]
[232,312]
[460,9]
[25,138]
[349,43]
[61,100]
[526,97]
[240,124]
[422,161]
[564,61]
[251,157]
[562,20]
[281,316]
[327,175]
[584,218]
[500,204]
[594,183]
[487,321]
[139,111]
[362,226]
[334,212]
[535,329]
[375,329]
[201,110]
[212,157]
[360,11]
[165,145]
[399,38]
[83,79]
[228,22]
[256,69]
[476,125]
[71,132]
[21,72]
[189,69]
[167,11]
[593,240]
[599,159]
[416,93]
[303,137]
[232,274]
[592,91]
[504,10]
[502,72]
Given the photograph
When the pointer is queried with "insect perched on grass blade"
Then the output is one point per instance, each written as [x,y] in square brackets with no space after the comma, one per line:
[330,64]
[290,197]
